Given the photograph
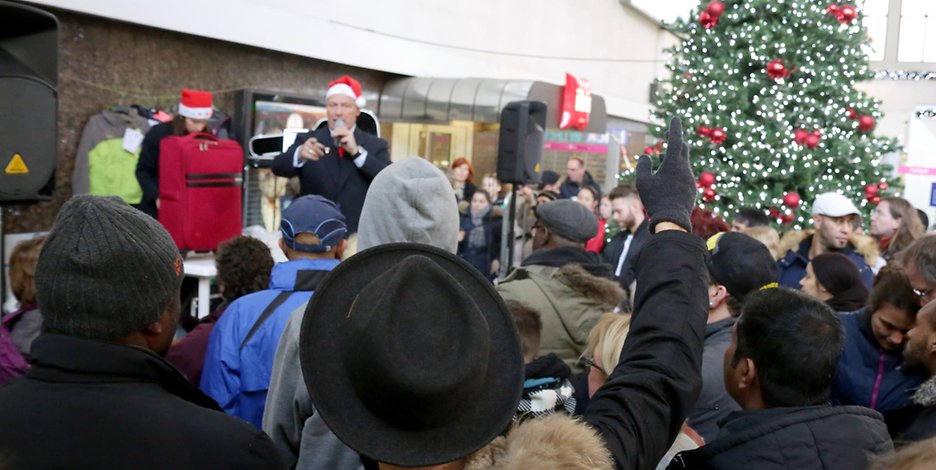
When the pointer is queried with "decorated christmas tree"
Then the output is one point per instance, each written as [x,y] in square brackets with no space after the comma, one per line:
[767,87]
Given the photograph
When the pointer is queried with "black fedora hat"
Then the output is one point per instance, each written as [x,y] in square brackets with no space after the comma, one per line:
[411,356]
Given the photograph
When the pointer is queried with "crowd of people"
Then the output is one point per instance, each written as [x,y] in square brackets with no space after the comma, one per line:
[387,339]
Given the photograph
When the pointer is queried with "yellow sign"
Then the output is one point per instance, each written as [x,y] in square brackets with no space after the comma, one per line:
[537,168]
[17,166]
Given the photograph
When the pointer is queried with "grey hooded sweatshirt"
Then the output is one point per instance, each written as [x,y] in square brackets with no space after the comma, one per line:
[409,201]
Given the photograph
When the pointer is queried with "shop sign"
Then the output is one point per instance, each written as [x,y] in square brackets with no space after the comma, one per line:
[576,103]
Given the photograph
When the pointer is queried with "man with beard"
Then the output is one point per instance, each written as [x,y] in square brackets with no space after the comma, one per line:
[570,287]
[622,251]
[832,218]
[920,355]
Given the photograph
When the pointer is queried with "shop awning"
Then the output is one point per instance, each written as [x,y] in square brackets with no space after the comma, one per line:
[473,99]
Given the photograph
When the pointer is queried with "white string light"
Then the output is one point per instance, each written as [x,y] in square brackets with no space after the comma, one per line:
[719,80]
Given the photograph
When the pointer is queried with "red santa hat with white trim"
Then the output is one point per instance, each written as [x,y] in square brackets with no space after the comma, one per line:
[196,104]
[345,85]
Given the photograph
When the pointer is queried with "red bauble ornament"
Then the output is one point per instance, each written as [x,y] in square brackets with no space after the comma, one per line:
[786,219]
[811,141]
[707,20]
[871,190]
[833,9]
[715,9]
[718,136]
[774,213]
[847,13]
[875,200]
[865,123]
[852,114]
[706,179]
[709,194]
[703,131]
[776,70]
[799,136]
[883,186]
[791,199]
[648,150]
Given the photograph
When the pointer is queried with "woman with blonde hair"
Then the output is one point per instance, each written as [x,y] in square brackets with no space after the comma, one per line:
[603,348]
[601,355]
[766,235]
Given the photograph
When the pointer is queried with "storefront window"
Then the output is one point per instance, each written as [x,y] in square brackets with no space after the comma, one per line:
[917,41]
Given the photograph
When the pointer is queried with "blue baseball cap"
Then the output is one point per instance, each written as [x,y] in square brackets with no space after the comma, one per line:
[316,215]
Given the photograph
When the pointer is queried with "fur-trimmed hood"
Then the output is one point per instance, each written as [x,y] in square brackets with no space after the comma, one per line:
[557,441]
[593,287]
[862,244]
[926,393]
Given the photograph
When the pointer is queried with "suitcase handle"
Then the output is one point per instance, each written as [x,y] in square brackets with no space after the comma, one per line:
[201,136]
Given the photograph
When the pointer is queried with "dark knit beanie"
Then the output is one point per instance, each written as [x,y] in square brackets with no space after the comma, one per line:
[839,275]
[106,270]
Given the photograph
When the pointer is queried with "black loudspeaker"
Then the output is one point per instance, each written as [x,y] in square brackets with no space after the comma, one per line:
[28,102]
[520,147]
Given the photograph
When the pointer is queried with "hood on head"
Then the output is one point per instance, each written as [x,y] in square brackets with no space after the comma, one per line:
[409,201]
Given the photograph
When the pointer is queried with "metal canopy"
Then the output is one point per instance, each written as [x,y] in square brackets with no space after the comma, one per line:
[473,99]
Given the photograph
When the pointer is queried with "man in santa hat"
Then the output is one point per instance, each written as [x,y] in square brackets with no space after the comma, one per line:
[337,162]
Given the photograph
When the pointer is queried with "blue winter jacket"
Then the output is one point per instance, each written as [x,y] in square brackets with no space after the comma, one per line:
[867,375]
[792,267]
[237,375]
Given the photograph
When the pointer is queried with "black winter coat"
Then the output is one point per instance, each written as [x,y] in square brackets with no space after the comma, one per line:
[643,404]
[801,438]
[93,404]
[147,170]
[481,257]
[612,253]
[336,178]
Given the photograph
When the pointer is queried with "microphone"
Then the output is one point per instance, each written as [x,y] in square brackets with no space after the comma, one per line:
[339,123]
[339,143]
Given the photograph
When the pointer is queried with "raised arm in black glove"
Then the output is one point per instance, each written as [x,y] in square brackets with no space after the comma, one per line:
[669,194]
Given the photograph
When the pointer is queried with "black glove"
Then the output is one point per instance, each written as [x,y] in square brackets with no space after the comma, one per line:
[669,194]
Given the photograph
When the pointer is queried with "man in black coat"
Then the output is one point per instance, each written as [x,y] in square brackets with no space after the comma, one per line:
[576,178]
[337,162]
[99,394]
[784,348]
[624,248]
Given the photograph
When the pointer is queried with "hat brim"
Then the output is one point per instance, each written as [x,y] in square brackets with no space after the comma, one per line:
[840,213]
[481,418]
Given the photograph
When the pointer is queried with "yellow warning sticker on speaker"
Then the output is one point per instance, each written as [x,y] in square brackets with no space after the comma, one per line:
[537,167]
[16,166]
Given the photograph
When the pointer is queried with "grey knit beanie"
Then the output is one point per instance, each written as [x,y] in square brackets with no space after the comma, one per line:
[106,270]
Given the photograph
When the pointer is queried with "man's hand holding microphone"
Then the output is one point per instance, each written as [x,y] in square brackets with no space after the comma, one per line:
[344,138]
[313,150]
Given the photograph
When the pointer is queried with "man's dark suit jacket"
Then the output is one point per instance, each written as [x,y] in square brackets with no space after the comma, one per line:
[612,252]
[336,178]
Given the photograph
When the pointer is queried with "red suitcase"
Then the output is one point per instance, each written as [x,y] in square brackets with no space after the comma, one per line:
[200,190]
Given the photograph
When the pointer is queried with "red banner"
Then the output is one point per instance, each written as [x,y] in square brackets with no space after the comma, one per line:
[576,103]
